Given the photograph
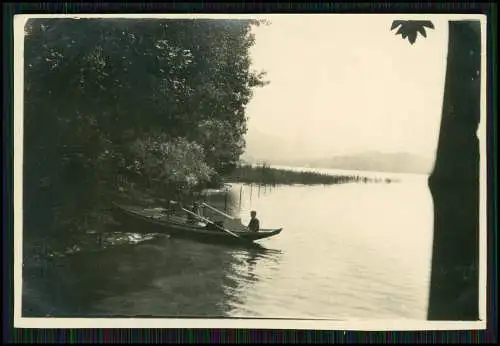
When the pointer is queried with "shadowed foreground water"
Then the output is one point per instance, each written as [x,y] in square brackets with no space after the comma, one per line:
[347,251]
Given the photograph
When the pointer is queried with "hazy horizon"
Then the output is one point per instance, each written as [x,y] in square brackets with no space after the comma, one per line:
[344,85]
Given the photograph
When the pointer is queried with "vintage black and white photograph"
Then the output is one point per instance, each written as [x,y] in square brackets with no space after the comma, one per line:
[278,168]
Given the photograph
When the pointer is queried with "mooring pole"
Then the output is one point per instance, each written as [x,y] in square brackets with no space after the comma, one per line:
[241,191]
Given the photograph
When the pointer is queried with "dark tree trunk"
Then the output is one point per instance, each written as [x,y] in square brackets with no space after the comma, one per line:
[454,183]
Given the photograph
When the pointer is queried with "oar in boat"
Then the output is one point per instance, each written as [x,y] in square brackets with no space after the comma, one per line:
[211,222]
[218,211]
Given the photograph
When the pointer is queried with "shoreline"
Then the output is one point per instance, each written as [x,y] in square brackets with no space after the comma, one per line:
[276,175]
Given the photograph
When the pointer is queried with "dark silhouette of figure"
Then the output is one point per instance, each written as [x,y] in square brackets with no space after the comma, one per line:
[254,224]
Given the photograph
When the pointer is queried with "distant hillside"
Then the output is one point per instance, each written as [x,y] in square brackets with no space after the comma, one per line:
[376,161]
[380,162]
[273,150]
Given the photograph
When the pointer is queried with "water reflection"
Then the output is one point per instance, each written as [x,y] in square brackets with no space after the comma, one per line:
[252,261]
[159,277]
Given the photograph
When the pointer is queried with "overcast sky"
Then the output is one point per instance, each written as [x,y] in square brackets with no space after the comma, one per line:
[346,84]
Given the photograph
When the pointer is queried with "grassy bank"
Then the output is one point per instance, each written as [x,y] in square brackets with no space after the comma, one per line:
[274,176]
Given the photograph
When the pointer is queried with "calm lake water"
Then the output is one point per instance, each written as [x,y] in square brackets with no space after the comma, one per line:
[354,250]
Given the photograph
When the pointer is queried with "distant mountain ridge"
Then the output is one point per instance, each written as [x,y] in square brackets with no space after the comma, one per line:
[367,161]
[274,150]
[376,161]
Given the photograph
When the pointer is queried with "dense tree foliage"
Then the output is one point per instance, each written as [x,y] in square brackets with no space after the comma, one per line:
[157,102]
[171,164]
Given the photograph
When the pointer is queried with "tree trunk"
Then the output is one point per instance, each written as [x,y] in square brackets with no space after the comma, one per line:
[454,183]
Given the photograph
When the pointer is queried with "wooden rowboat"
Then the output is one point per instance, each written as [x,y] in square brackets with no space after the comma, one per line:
[157,221]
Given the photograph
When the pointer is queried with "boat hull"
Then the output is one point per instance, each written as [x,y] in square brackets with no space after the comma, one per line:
[177,228]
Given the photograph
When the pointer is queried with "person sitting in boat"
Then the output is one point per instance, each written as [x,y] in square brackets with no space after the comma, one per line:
[254,224]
